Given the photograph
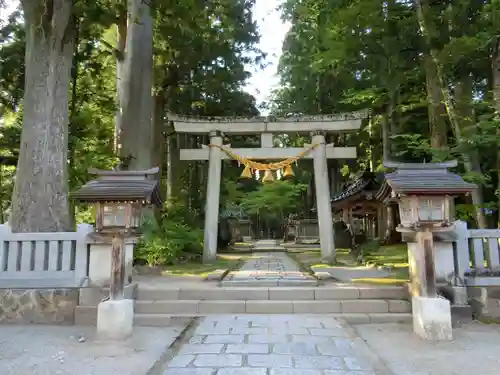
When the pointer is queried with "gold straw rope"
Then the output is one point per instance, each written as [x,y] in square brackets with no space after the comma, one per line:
[256,166]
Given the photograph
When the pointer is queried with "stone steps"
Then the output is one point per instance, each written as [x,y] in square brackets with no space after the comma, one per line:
[87,315]
[324,293]
[359,304]
[271,307]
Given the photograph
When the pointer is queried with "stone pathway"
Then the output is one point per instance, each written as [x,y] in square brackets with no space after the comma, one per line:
[270,345]
[269,269]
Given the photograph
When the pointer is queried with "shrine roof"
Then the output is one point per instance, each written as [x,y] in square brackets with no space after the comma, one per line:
[367,182]
[121,186]
[416,178]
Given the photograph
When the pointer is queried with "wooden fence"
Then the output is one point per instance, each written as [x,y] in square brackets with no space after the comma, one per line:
[43,260]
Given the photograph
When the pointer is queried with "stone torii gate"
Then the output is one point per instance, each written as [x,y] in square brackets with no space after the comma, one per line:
[317,126]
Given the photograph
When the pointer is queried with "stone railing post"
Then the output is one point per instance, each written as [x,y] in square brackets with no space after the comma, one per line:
[81,253]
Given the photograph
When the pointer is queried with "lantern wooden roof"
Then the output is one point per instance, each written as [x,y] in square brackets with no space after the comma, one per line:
[121,186]
[423,179]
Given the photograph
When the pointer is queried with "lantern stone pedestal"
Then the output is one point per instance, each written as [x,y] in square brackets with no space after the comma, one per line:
[100,259]
[431,313]
[115,319]
[432,318]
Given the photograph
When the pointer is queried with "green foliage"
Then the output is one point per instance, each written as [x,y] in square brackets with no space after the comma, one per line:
[170,240]
[274,200]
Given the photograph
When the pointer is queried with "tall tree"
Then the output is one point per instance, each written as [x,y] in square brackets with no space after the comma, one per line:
[40,198]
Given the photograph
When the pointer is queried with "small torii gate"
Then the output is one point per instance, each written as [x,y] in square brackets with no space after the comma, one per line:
[317,126]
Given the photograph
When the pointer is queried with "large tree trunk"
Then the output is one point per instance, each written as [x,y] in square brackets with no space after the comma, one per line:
[174,164]
[120,70]
[40,196]
[158,131]
[458,118]
[437,110]
[496,102]
[468,129]
[136,136]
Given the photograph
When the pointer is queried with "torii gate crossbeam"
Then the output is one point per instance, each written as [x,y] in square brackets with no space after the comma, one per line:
[317,126]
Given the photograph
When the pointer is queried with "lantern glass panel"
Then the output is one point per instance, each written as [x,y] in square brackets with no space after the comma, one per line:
[431,209]
[405,210]
[114,215]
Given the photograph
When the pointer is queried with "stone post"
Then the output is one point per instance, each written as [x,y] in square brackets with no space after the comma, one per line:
[431,314]
[213,196]
[115,317]
[325,221]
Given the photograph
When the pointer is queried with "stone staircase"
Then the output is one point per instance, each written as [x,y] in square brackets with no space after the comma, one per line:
[159,306]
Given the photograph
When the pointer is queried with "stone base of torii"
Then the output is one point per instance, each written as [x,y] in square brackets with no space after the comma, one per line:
[316,126]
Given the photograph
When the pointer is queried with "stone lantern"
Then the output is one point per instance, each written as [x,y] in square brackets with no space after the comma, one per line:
[425,193]
[121,200]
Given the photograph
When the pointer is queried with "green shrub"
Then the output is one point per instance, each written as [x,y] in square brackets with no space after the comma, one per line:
[170,239]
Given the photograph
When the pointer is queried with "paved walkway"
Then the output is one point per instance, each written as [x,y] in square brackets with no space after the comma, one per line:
[269,345]
[269,269]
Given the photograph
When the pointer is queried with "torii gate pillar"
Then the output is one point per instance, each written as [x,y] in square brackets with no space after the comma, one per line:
[213,196]
[324,209]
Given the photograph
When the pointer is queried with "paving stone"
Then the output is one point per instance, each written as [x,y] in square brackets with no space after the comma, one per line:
[289,330]
[218,360]
[330,323]
[197,339]
[293,371]
[250,330]
[353,363]
[224,339]
[335,348]
[348,372]
[181,360]
[296,348]
[310,322]
[248,349]
[269,360]
[330,332]
[267,339]
[201,349]
[319,362]
[213,331]
[189,371]
[310,339]
[242,371]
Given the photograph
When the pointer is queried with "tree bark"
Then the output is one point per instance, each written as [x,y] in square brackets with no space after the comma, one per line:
[466,118]
[136,136]
[455,117]
[158,131]
[436,108]
[40,196]
[496,102]
[120,70]
[174,166]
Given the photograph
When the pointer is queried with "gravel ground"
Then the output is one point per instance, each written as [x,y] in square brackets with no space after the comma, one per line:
[72,350]
[474,350]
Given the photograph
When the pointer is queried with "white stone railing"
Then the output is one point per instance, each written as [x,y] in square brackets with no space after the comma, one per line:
[44,260]
[477,250]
